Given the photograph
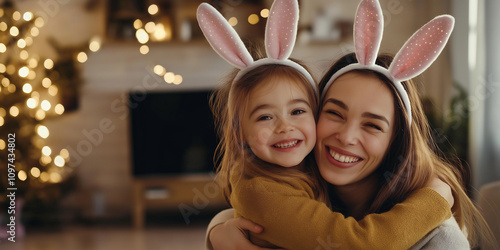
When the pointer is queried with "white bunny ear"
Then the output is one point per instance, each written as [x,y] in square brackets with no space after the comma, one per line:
[281,29]
[368,29]
[422,48]
[222,37]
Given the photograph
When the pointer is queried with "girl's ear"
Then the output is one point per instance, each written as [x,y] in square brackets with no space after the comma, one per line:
[222,37]
[281,29]
[423,47]
[368,30]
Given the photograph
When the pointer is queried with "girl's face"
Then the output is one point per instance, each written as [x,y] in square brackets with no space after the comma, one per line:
[278,123]
[354,129]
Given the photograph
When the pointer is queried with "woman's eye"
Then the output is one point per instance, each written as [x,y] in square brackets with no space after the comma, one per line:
[371,125]
[334,113]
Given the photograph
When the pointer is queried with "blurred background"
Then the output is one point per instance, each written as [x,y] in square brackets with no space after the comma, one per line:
[105,123]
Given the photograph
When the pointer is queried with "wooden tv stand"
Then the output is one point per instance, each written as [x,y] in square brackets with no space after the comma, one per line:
[189,193]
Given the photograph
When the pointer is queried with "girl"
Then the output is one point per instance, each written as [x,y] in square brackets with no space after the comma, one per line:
[266,115]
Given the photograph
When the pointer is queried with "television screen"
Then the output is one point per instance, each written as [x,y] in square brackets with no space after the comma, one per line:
[171,133]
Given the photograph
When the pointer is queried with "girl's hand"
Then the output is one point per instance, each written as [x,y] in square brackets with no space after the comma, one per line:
[442,188]
[233,235]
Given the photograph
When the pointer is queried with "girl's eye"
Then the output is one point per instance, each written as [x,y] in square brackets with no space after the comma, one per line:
[264,117]
[298,112]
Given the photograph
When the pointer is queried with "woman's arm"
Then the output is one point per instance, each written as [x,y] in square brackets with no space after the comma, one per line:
[292,220]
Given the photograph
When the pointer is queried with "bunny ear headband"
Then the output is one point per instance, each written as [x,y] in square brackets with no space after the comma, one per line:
[281,31]
[416,55]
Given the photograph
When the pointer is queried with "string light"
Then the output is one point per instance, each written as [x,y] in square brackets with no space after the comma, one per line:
[31,103]
[142,36]
[2,144]
[59,109]
[14,111]
[35,172]
[42,131]
[27,88]
[21,175]
[48,63]
[59,161]
[253,19]
[46,150]
[233,21]
[137,24]
[45,105]
[14,31]
[27,16]
[82,57]
[144,49]
[153,9]
[264,13]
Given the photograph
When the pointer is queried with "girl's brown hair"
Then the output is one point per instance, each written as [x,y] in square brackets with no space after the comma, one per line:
[234,158]
[414,158]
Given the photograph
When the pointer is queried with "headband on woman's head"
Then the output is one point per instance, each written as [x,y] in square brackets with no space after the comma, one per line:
[281,32]
[416,55]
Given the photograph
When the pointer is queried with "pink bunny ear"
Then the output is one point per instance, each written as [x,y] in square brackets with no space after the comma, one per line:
[281,29]
[368,29]
[422,48]
[222,37]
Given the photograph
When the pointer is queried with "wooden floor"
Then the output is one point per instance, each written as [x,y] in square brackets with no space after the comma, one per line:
[112,237]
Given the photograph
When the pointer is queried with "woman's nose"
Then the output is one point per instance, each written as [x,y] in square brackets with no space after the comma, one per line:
[347,134]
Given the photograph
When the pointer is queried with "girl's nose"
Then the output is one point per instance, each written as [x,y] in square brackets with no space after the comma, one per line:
[283,126]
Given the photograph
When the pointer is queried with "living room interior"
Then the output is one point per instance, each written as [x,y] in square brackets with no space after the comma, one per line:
[115,142]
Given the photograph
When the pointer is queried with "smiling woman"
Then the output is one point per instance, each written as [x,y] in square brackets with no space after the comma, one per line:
[355,128]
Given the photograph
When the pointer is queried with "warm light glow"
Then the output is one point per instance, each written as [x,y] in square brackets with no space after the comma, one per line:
[42,131]
[5,82]
[39,22]
[253,19]
[233,21]
[48,63]
[46,82]
[14,111]
[153,9]
[11,69]
[144,49]
[3,113]
[3,26]
[2,144]
[33,63]
[21,43]
[177,79]
[22,175]
[31,103]
[264,13]
[24,54]
[55,177]
[27,16]
[82,57]
[45,105]
[11,88]
[2,68]
[169,77]
[3,48]
[160,33]
[53,90]
[14,31]
[44,177]
[64,153]
[35,31]
[59,109]
[31,75]
[40,115]
[16,15]
[44,160]
[137,24]
[159,70]
[59,161]
[95,44]
[2,121]
[46,150]
[35,172]
[23,72]
[27,88]
[150,27]
[1,13]
[29,41]
[142,36]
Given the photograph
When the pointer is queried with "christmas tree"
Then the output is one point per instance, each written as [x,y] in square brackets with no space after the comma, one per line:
[29,168]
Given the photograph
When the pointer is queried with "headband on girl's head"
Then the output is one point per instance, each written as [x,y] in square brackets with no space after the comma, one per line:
[281,31]
[416,55]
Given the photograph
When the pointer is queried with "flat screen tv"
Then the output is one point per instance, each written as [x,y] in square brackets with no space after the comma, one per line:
[172,133]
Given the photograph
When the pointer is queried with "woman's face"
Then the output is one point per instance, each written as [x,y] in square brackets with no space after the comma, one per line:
[354,129]
[278,123]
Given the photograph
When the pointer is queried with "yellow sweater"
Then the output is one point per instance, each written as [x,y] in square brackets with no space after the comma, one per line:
[292,219]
